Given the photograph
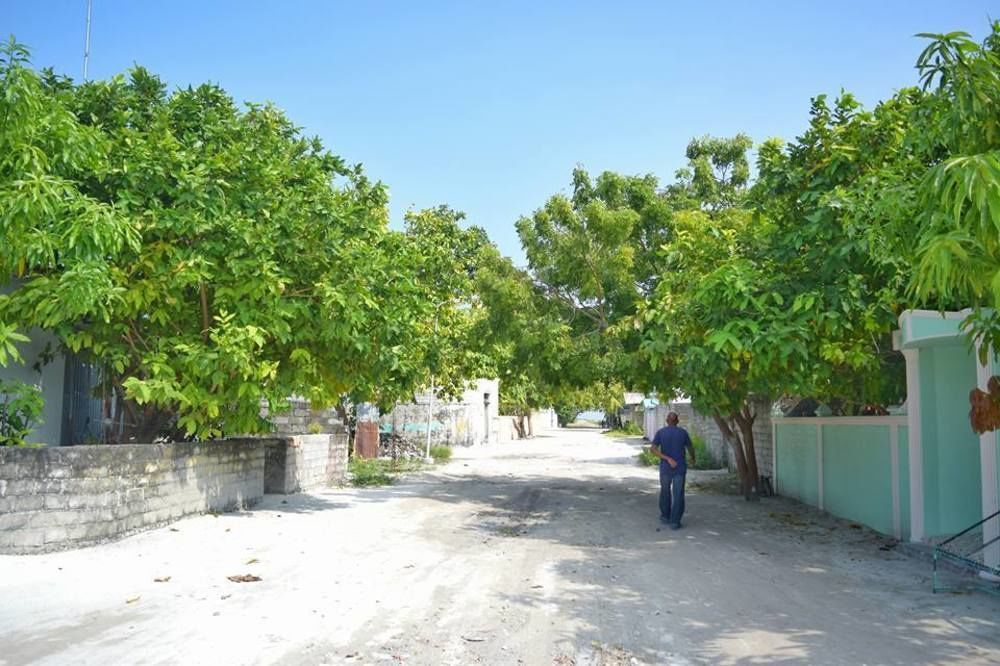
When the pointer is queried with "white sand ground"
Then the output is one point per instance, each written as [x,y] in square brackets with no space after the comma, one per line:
[546,552]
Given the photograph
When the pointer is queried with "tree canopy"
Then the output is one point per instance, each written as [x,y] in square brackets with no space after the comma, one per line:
[210,257]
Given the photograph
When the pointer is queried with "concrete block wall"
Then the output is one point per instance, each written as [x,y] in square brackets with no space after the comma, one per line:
[543,422]
[302,462]
[503,426]
[763,438]
[63,497]
[466,421]
[301,417]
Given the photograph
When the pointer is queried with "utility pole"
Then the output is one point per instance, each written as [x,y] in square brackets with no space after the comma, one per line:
[430,403]
[86,42]
[430,412]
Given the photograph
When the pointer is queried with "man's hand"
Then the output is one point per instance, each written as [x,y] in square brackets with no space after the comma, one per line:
[670,461]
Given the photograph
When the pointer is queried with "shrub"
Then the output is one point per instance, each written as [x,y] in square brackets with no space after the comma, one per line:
[647,459]
[703,457]
[379,471]
[628,429]
[314,428]
[441,453]
[20,408]
[368,472]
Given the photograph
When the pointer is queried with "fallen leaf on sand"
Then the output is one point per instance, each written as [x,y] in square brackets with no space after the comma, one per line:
[473,639]
[133,600]
[164,579]
[174,529]
[253,560]
[244,578]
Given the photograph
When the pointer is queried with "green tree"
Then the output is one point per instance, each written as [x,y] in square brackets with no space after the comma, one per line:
[840,197]
[724,326]
[519,331]
[593,256]
[958,219]
[208,257]
[749,304]
[443,259]
[54,237]
[718,172]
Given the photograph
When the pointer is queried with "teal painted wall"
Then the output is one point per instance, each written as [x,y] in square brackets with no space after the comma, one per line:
[952,477]
[795,449]
[904,482]
[995,369]
[924,328]
[857,474]
[857,470]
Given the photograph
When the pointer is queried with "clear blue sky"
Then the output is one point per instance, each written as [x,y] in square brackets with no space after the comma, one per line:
[488,106]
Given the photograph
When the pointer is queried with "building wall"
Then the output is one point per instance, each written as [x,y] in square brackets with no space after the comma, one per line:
[951,466]
[49,431]
[468,421]
[543,421]
[62,497]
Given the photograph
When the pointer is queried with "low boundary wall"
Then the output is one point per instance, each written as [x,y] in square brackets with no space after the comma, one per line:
[53,498]
[853,467]
[302,462]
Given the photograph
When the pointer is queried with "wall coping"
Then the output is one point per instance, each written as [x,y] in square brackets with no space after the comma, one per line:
[841,420]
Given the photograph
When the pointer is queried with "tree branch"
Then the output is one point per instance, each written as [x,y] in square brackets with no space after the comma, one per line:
[204,313]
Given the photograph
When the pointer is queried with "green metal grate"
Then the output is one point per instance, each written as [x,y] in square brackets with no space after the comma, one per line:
[976,549]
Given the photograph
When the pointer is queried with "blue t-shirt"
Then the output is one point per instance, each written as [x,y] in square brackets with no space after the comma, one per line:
[672,440]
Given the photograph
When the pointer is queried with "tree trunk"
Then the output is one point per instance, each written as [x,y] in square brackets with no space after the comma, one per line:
[145,423]
[531,428]
[519,425]
[392,437]
[737,429]
[745,421]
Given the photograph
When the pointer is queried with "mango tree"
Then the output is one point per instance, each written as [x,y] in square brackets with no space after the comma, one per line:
[208,257]
[958,250]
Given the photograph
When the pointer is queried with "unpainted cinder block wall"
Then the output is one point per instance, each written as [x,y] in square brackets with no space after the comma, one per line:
[63,497]
[301,418]
[301,462]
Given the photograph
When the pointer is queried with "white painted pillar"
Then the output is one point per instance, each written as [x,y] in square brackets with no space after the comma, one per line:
[774,456]
[914,439]
[988,467]
[894,462]
[819,465]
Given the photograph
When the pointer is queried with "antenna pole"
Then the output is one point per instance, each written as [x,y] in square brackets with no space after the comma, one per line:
[86,43]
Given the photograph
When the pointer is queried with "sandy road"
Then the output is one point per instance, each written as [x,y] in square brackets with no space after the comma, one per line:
[546,552]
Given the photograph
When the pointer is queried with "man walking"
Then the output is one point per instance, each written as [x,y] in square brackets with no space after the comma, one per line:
[669,444]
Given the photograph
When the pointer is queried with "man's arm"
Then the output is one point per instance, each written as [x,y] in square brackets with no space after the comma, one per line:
[655,448]
[689,445]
